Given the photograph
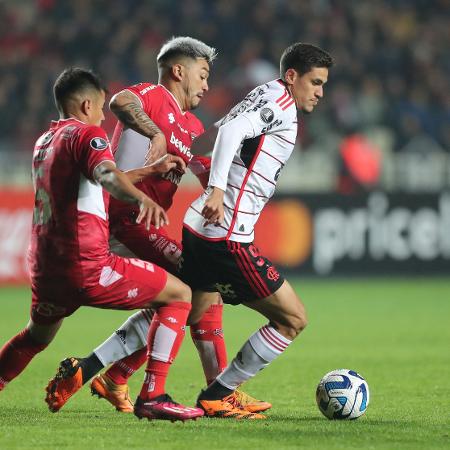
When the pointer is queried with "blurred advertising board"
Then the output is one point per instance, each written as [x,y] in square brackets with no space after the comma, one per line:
[308,234]
[374,234]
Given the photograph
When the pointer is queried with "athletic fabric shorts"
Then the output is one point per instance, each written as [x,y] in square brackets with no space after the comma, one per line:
[234,269]
[122,283]
[153,245]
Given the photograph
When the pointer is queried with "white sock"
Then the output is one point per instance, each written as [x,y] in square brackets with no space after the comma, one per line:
[256,354]
[208,357]
[131,336]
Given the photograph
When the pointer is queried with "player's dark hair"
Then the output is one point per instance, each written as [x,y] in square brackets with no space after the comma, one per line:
[184,46]
[303,57]
[74,80]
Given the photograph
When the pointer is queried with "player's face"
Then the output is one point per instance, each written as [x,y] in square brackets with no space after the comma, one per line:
[97,102]
[195,83]
[307,89]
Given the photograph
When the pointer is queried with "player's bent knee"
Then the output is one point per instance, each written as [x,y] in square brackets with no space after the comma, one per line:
[292,325]
[299,323]
[175,291]
[184,293]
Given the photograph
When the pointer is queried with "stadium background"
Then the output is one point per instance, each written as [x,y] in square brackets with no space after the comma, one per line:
[366,191]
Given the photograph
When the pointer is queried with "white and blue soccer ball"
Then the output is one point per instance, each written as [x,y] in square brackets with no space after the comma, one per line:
[342,394]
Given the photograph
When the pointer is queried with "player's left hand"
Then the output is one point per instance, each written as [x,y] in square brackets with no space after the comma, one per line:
[152,213]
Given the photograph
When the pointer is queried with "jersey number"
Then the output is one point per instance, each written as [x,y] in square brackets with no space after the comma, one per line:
[42,211]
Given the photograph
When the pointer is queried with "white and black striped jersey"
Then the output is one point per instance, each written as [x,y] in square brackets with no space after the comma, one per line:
[254,141]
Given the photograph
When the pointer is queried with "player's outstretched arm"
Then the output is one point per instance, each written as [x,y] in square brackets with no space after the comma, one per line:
[163,165]
[119,186]
[128,109]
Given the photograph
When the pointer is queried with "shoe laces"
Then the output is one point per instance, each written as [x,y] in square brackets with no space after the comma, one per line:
[243,399]
[164,398]
[233,400]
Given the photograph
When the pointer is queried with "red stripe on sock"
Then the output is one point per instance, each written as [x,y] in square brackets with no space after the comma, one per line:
[275,337]
[269,340]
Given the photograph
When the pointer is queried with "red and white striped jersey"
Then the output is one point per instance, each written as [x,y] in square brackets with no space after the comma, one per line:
[69,240]
[254,141]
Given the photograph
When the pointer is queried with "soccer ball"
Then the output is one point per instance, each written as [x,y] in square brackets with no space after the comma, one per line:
[342,394]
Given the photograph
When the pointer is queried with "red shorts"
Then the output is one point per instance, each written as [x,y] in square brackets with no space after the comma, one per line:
[152,245]
[122,283]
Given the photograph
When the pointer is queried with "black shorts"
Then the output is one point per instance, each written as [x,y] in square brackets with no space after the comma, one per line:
[234,269]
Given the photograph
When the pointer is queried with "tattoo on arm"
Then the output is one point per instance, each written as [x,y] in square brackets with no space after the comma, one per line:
[131,114]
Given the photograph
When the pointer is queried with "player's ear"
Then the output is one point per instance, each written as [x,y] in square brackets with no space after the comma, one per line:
[290,76]
[86,106]
[177,72]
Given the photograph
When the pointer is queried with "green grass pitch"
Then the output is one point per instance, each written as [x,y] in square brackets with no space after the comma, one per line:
[396,333]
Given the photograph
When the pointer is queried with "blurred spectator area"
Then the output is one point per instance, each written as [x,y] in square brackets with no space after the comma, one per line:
[390,85]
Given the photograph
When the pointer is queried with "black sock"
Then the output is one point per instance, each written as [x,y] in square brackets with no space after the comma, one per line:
[91,366]
[215,391]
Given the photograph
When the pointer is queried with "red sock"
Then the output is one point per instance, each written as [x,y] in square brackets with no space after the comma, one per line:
[165,336]
[207,335]
[16,354]
[121,370]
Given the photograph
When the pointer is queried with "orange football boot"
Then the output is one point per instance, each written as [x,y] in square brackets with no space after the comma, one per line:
[249,403]
[225,409]
[67,381]
[117,394]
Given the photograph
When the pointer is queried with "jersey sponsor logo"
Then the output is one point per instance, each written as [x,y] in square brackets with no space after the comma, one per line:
[226,290]
[148,88]
[180,146]
[98,143]
[258,105]
[267,115]
[68,132]
[249,103]
[171,117]
[172,176]
[182,129]
[45,139]
[272,125]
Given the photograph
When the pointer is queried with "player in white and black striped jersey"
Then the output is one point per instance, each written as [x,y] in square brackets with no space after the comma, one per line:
[253,143]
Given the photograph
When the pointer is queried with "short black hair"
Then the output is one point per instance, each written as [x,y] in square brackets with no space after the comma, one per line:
[303,57]
[72,81]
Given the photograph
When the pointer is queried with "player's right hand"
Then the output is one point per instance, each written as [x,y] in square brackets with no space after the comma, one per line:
[152,213]
[168,163]
[213,210]
[156,149]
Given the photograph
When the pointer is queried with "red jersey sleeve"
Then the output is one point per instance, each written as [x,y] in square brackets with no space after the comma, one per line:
[200,167]
[92,148]
[150,96]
